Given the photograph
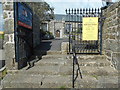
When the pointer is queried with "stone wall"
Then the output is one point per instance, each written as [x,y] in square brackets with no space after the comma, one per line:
[111,33]
[9,44]
[51,27]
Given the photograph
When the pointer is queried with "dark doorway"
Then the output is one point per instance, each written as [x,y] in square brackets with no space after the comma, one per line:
[58,33]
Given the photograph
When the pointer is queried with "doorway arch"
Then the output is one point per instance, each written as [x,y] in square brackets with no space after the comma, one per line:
[57,33]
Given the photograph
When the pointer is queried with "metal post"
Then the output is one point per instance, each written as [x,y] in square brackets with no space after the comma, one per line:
[101,33]
[69,27]
[73,73]
[15,34]
[73,67]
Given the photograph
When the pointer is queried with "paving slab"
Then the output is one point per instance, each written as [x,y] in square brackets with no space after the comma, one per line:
[86,82]
[54,61]
[57,81]
[107,82]
[100,71]
[54,56]
[43,70]
[21,81]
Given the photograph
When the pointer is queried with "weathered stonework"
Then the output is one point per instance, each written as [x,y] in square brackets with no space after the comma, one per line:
[111,34]
[64,47]
[9,44]
[55,25]
[9,26]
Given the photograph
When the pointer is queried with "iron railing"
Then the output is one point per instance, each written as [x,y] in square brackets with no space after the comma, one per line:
[74,17]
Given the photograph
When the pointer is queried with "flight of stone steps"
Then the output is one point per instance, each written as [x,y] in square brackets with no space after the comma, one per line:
[54,70]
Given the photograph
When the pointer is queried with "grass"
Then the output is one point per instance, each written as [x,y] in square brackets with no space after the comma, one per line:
[95,76]
[63,87]
[1,36]
[4,72]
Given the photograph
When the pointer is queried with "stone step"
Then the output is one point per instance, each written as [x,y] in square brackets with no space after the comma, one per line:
[99,71]
[64,61]
[67,70]
[53,61]
[55,56]
[88,57]
[36,81]
[45,70]
[70,57]
[81,57]
[39,52]
[93,81]
[58,81]
[93,63]
[49,60]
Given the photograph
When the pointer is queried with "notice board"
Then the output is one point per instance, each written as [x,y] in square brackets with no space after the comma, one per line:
[90,28]
[24,16]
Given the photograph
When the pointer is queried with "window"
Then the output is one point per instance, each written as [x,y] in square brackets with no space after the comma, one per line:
[79,28]
[67,28]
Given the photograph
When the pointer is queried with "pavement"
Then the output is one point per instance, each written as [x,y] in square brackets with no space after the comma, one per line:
[52,45]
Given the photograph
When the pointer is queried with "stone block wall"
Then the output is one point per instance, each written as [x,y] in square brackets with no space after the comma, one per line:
[111,34]
[9,45]
[51,27]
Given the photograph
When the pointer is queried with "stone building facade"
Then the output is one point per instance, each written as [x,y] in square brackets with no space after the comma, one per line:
[57,28]
[111,34]
[60,26]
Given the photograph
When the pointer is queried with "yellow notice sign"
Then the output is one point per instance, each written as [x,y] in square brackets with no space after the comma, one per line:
[90,28]
[1,32]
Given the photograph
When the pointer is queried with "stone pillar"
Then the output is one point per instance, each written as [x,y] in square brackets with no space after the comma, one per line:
[9,44]
[64,47]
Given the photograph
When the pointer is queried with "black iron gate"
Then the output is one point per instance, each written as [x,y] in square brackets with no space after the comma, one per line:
[74,19]
[23,33]
[82,25]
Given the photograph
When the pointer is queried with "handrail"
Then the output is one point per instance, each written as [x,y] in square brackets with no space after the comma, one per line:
[75,61]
